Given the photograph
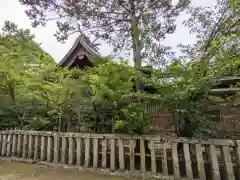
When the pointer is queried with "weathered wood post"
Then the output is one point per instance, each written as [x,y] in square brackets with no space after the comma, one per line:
[151,146]
[175,161]
[30,146]
[19,145]
[79,151]
[200,162]
[112,155]
[56,137]
[121,154]
[143,155]
[4,145]
[63,150]
[95,152]
[104,153]
[1,141]
[9,145]
[25,146]
[87,150]
[188,162]
[132,144]
[214,162]
[43,148]
[70,150]
[238,156]
[14,145]
[49,148]
[36,148]
[164,159]
[228,163]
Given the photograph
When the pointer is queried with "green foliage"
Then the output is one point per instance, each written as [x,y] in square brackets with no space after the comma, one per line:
[214,56]
[20,57]
[111,87]
[133,119]
[36,94]
[46,97]
[183,89]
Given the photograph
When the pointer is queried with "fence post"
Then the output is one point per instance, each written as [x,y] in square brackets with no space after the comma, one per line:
[112,155]
[188,162]
[49,148]
[153,157]
[25,143]
[70,150]
[175,161]
[228,163]
[1,141]
[19,145]
[95,153]
[238,157]
[214,163]
[64,148]
[87,149]
[200,162]
[164,159]
[43,148]
[4,144]
[104,153]
[9,144]
[14,145]
[132,154]
[121,154]
[36,148]
[143,155]
[79,151]
[56,147]
[30,146]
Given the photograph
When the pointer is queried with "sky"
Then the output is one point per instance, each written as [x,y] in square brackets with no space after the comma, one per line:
[12,10]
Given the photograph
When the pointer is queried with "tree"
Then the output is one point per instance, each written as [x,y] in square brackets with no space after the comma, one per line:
[43,96]
[123,23]
[53,91]
[216,28]
[19,55]
[111,88]
[214,56]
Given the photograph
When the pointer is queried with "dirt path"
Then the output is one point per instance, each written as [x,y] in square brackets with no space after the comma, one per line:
[19,171]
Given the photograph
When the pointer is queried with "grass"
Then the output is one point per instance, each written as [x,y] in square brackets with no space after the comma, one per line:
[20,171]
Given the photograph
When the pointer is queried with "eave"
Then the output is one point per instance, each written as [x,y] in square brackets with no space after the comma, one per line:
[93,57]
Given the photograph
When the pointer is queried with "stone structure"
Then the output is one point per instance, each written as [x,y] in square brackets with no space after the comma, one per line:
[148,156]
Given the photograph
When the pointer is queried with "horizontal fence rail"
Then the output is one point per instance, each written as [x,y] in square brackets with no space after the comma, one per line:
[156,156]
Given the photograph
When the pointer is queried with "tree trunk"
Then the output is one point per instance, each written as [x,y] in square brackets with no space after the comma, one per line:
[135,42]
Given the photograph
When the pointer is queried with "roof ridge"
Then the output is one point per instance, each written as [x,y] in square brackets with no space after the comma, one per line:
[82,40]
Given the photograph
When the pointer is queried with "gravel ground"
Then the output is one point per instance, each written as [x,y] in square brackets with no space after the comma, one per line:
[20,171]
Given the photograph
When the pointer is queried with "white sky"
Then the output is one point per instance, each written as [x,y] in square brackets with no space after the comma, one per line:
[12,10]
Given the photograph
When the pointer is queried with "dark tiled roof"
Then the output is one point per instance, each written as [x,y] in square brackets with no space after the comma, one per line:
[80,40]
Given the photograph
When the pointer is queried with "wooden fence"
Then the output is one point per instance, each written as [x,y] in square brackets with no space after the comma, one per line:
[155,156]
